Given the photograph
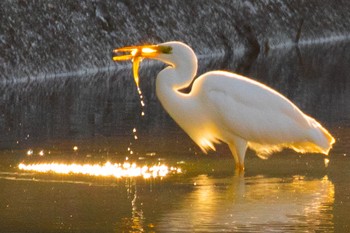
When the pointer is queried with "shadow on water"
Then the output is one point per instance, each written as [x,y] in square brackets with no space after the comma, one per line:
[287,193]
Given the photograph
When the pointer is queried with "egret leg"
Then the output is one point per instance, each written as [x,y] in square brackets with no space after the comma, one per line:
[238,148]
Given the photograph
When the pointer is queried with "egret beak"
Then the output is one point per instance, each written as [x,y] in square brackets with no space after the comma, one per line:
[137,53]
[128,53]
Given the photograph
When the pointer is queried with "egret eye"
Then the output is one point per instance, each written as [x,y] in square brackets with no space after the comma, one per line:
[165,49]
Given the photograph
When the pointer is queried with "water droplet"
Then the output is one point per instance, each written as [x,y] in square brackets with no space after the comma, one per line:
[30,152]
[326,162]
[151,154]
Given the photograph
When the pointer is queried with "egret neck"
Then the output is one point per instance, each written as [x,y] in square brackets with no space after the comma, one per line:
[172,79]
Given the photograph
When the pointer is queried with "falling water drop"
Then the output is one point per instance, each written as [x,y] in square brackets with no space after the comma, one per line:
[30,152]
[139,92]
[136,63]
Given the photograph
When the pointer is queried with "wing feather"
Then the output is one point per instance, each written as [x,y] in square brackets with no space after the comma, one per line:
[251,110]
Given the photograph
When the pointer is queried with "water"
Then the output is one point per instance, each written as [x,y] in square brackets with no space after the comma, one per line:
[90,120]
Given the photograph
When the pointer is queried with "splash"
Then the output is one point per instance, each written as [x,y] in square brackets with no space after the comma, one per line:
[108,169]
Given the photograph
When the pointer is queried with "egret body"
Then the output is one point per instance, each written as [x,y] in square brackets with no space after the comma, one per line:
[227,107]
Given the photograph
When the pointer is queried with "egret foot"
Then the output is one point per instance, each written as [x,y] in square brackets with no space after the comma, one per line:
[238,147]
[239,167]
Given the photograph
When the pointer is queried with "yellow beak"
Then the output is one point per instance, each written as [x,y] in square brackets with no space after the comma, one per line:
[129,53]
[136,54]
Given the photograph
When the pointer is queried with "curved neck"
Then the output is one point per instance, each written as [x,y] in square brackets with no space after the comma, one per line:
[170,81]
[181,74]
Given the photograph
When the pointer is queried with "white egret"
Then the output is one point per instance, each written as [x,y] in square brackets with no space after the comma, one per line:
[227,107]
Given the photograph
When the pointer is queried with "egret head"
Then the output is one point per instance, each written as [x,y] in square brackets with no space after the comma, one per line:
[172,53]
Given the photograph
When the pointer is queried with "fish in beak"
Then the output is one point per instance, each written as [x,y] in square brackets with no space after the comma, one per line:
[137,53]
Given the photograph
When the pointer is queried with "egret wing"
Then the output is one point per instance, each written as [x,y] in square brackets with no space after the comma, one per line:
[251,110]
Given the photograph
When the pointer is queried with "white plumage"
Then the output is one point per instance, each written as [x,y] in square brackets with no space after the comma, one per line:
[227,107]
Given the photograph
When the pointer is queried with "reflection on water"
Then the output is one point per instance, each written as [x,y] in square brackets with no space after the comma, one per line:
[255,204]
[203,203]
[91,120]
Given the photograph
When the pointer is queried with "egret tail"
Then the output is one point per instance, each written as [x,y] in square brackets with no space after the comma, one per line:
[322,138]
[319,140]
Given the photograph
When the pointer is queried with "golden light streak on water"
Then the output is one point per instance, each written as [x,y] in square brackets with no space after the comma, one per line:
[108,169]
